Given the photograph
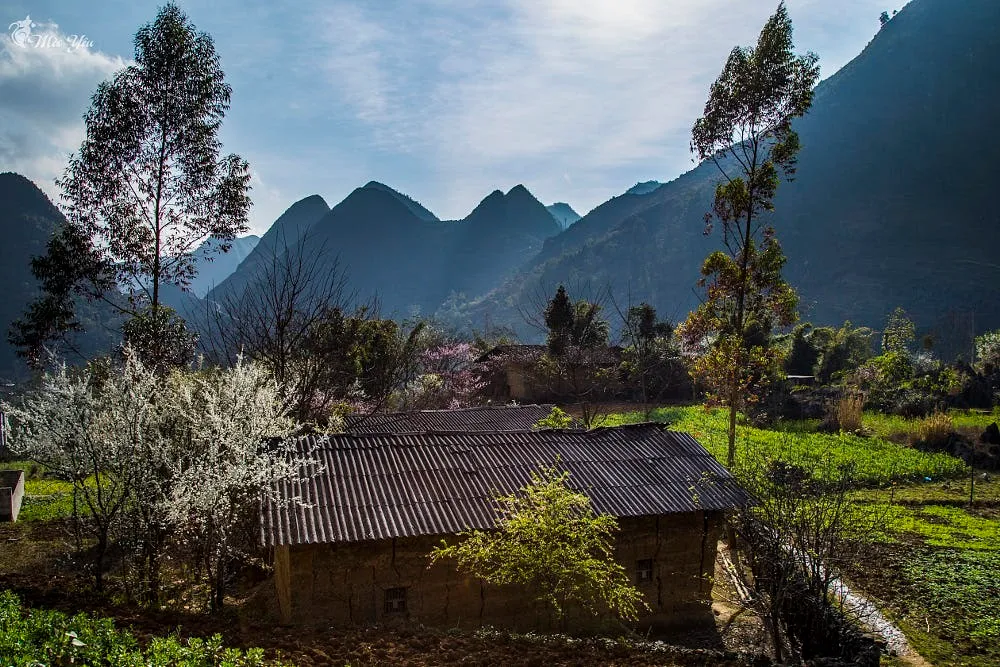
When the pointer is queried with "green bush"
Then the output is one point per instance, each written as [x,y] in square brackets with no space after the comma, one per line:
[32,637]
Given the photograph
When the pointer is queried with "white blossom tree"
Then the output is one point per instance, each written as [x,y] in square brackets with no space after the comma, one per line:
[159,461]
[96,427]
[235,429]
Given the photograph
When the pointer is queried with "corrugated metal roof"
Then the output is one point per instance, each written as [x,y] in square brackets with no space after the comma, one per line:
[357,487]
[488,418]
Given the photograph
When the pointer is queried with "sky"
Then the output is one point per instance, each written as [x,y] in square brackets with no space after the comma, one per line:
[444,100]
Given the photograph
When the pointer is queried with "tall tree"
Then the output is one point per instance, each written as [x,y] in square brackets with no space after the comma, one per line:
[559,319]
[578,365]
[900,332]
[747,133]
[148,184]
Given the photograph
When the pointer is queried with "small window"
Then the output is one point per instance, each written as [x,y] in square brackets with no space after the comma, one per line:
[395,600]
[644,571]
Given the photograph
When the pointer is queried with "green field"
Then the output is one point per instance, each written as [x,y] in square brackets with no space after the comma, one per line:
[877,461]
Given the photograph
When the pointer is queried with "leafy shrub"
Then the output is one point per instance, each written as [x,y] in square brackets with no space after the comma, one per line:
[936,429]
[988,351]
[555,419]
[31,637]
[892,368]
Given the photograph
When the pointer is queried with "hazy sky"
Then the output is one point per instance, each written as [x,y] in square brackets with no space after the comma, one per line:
[441,99]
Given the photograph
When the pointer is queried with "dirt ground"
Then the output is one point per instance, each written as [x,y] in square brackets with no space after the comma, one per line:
[33,564]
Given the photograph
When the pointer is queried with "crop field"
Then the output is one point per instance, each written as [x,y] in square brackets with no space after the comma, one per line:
[877,461]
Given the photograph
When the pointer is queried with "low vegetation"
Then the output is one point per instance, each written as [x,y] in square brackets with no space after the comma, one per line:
[876,461]
[33,637]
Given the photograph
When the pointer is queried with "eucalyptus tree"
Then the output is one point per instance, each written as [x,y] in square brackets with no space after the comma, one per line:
[148,185]
[746,132]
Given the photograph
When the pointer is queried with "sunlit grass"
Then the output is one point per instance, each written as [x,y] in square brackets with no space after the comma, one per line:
[894,426]
[877,461]
[45,498]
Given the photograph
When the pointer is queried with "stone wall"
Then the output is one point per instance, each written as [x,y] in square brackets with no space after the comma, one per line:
[350,583]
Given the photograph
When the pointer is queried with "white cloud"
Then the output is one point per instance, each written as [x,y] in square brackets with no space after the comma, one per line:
[45,88]
[530,90]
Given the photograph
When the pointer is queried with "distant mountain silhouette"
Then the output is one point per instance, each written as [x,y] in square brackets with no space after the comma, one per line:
[393,248]
[893,202]
[283,233]
[564,214]
[410,203]
[215,266]
[643,188]
[27,220]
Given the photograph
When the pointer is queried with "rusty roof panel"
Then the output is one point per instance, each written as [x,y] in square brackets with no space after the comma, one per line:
[356,487]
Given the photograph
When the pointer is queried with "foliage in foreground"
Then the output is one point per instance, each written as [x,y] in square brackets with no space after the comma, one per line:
[876,461]
[955,592]
[550,540]
[31,637]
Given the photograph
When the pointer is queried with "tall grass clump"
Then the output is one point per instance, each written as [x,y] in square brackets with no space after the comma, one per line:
[849,412]
[936,430]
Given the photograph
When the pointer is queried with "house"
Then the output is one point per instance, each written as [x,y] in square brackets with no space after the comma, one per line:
[516,373]
[483,418]
[351,535]
[11,494]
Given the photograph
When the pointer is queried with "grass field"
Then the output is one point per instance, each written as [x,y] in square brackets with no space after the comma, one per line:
[877,461]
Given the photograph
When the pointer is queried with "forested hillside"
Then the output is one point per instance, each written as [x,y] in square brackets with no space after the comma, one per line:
[892,203]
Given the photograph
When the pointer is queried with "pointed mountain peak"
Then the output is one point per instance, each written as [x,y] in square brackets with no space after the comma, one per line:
[298,218]
[518,210]
[415,207]
[563,213]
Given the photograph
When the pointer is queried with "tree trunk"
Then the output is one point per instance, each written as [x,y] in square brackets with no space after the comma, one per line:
[731,454]
[219,587]
[99,551]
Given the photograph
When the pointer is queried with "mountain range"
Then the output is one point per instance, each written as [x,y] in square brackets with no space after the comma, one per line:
[892,205]
[392,248]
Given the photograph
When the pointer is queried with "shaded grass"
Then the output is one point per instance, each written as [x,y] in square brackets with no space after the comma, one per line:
[954,593]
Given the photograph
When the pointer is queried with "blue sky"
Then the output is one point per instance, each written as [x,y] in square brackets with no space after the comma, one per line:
[441,99]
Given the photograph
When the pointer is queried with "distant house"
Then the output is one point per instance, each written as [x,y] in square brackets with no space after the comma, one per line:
[352,547]
[484,418]
[514,373]
[11,494]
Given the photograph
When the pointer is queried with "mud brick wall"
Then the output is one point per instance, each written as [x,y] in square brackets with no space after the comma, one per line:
[346,584]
